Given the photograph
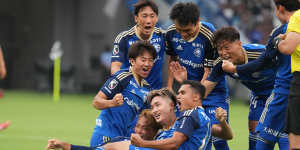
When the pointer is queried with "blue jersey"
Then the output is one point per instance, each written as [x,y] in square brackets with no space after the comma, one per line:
[121,48]
[116,121]
[260,82]
[196,125]
[282,62]
[196,54]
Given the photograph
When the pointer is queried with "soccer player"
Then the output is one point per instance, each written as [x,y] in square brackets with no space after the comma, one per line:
[146,127]
[146,17]
[189,41]
[122,97]
[271,124]
[192,129]
[230,49]
[164,103]
[290,45]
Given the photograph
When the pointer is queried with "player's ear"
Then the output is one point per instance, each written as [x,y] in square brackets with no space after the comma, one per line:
[132,61]
[196,97]
[136,19]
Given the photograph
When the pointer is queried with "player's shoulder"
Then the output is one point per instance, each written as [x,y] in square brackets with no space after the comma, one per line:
[207,29]
[158,30]
[254,47]
[125,34]
[253,51]
[197,113]
[171,28]
[123,74]
[280,29]
[208,26]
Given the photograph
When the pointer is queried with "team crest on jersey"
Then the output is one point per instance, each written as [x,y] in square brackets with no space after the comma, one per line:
[113,84]
[116,50]
[197,52]
[157,47]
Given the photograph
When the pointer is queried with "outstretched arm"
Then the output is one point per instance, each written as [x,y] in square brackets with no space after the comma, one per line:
[57,144]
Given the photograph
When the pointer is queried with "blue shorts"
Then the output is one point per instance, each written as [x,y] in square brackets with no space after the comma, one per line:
[211,112]
[271,123]
[257,105]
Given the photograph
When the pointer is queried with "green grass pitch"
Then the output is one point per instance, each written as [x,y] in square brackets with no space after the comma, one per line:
[36,118]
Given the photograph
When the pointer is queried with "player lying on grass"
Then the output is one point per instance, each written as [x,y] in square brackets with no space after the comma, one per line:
[123,95]
[163,106]
[146,127]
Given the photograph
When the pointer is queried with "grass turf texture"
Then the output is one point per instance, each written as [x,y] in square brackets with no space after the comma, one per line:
[36,118]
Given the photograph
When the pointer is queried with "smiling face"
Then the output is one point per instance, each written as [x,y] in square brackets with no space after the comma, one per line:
[142,65]
[162,109]
[186,97]
[187,32]
[146,20]
[231,51]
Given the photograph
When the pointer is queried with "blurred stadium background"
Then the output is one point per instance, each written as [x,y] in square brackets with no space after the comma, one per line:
[86,29]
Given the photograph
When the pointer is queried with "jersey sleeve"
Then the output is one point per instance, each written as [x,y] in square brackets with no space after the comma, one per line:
[119,52]
[169,48]
[112,86]
[188,123]
[210,52]
[217,72]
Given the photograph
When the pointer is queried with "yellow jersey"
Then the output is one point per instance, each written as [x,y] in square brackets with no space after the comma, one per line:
[294,26]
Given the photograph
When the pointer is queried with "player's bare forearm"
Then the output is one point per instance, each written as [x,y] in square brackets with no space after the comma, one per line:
[209,86]
[172,143]
[170,79]
[289,43]
[206,73]
[100,101]
[222,130]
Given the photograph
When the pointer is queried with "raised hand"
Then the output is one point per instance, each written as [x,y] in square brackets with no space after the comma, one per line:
[179,72]
[221,114]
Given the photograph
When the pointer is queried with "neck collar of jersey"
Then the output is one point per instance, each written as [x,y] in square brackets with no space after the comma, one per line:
[138,34]
[139,82]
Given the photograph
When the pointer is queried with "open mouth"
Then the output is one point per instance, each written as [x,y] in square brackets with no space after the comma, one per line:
[156,116]
[179,105]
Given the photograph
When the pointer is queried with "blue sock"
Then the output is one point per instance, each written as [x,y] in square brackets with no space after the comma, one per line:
[220,144]
[283,142]
[252,140]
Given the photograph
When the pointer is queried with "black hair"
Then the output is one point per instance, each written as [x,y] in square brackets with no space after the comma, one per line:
[144,3]
[229,34]
[196,86]
[289,5]
[185,13]
[138,48]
